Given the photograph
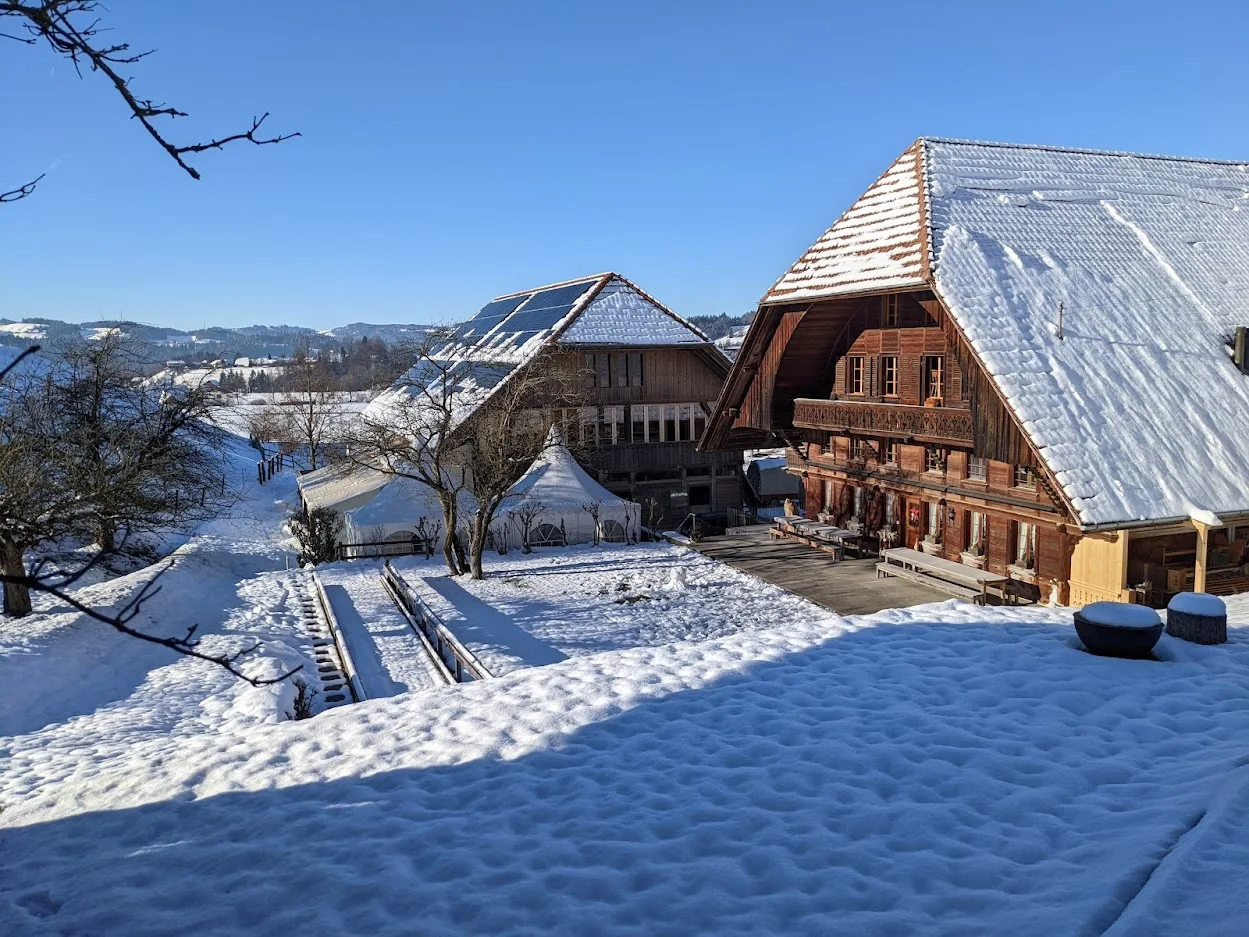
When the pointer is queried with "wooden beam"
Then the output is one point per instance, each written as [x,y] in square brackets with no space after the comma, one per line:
[1203,544]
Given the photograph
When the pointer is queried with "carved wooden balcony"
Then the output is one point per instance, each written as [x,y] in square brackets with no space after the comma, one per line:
[937,425]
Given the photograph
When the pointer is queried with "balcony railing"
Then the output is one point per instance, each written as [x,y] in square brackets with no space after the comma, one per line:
[940,425]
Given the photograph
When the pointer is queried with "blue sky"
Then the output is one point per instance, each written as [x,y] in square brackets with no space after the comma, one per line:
[453,152]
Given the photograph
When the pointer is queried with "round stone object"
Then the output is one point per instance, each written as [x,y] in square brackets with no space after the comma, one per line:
[1117,629]
[1197,617]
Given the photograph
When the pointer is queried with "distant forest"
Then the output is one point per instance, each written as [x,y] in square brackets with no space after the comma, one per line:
[720,326]
[364,364]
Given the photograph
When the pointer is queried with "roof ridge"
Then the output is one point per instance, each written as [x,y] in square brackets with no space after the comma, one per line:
[551,286]
[1086,151]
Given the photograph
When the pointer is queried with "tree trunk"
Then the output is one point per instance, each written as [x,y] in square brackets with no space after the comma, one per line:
[449,519]
[107,535]
[478,545]
[16,594]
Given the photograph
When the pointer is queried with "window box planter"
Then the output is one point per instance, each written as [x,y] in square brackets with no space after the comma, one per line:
[931,547]
[974,560]
[1021,573]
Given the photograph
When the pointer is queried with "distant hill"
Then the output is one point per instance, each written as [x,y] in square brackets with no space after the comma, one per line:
[206,344]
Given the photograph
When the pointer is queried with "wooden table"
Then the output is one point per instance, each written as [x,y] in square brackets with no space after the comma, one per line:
[969,579]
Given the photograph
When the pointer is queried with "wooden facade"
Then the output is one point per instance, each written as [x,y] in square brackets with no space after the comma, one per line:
[638,435]
[879,397]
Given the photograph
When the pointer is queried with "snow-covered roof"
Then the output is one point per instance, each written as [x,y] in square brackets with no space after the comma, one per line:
[875,245]
[510,331]
[341,487]
[1137,409]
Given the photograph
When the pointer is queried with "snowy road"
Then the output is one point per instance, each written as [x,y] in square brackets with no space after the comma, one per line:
[389,657]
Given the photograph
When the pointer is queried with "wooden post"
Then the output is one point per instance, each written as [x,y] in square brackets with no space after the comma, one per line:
[1203,542]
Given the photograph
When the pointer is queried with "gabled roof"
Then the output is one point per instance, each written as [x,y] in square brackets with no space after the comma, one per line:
[1136,409]
[875,245]
[510,331]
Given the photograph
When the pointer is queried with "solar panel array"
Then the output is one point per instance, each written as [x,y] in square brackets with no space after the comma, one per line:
[506,324]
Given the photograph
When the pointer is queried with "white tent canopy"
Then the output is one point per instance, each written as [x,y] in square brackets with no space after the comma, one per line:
[560,491]
[401,511]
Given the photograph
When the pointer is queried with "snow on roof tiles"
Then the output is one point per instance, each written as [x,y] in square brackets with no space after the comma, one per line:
[621,314]
[1137,410]
[875,245]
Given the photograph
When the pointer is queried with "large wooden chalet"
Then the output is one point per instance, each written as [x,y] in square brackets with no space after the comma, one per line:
[1024,358]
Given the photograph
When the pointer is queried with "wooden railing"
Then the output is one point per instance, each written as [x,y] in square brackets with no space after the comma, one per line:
[942,425]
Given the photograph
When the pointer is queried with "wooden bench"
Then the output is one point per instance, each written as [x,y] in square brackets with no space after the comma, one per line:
[936,571]
[941,585]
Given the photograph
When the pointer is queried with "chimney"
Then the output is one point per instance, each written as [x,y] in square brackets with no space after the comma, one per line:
[1240,349]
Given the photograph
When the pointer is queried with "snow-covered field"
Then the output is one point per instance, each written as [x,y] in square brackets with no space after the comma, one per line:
[714,757]
[554,603]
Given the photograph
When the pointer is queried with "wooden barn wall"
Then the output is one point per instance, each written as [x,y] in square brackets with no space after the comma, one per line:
[993,427]
[669,375]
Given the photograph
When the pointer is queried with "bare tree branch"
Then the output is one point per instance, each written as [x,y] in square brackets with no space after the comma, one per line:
[22,190]
[71,29]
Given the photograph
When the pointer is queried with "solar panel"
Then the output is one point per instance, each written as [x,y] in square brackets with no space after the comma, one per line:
[487,318]
[545,309]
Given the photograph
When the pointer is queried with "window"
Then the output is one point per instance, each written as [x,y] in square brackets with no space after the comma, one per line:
[637,416]
[700,421]
[622,425]
[685,419]
[700,496]
[858,503]
[891,510]
[859,449]
[589,423]
[934,519]
[889,375]
[889,311]
[607,425]
[854,374]
[977,469]
[934,459]
[934,375]
[1024,477]
[670,422]
[654,417]
[1025,546]
[635,369]
[977,532]
[828,494]
[889,452]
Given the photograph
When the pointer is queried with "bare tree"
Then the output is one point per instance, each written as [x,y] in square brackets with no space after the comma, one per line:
[595,510]
[412,433]
[310,414]
[72,29]
[503,437]
[146,458]
[526,515]
[37,505]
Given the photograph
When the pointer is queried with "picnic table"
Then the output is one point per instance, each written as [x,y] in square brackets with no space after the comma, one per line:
[966,580]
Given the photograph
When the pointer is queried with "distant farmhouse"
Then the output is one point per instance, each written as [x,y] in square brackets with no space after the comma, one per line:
[648,380]
[1029,359]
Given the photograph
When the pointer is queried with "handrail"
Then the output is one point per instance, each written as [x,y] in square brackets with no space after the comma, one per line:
[349,666]
[463,664]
